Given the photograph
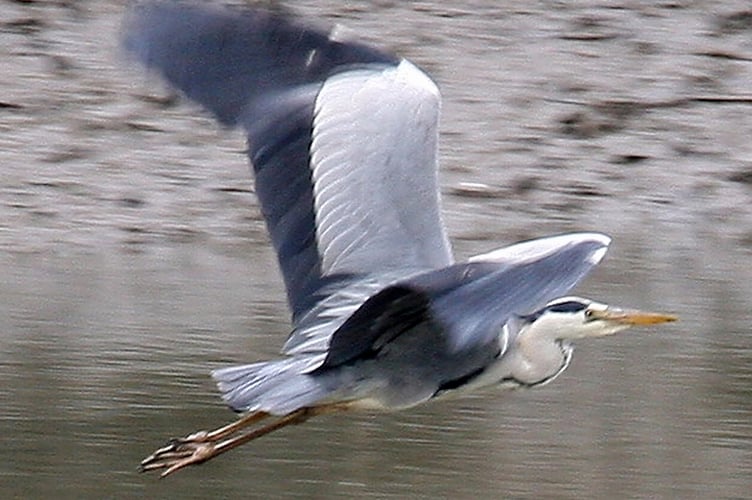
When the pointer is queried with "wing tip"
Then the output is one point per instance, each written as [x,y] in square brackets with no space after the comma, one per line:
[409,73]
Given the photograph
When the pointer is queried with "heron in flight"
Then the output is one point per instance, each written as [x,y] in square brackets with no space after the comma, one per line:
[342,138]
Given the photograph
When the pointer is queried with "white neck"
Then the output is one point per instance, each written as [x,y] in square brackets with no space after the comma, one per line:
[536,355]
[529,359]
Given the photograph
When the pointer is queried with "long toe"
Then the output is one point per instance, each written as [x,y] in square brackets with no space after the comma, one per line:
[193,448]
[164,459]
[200,454]
[175,457]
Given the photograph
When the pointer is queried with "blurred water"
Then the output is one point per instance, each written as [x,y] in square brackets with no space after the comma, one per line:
[133,259]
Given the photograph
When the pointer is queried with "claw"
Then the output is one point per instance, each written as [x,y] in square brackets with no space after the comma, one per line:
[159,460]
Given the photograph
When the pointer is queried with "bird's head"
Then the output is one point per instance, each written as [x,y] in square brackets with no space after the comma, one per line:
[570,318]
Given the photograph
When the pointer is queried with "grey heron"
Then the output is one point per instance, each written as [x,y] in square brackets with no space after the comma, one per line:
[342,139]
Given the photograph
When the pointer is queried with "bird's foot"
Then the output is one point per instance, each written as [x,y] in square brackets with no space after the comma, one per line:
[179,453]
[202,446]
[197,447]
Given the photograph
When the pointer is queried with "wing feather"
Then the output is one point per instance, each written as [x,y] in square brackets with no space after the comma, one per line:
[530,274]
[470,303]
[342,137]
[376,132]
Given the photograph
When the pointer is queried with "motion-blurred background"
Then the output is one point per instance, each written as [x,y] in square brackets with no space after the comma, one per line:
[133,258]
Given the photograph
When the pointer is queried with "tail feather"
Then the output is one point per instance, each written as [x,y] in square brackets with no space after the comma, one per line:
[277,387]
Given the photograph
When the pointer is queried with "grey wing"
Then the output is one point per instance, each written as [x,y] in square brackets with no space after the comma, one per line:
[342,138]
[313,330]
[530,275]
[374,163]
[470,303]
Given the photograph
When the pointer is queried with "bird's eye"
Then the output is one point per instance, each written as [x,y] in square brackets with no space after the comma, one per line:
[588,314]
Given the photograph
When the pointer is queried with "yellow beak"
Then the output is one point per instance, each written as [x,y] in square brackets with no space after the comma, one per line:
[633,317]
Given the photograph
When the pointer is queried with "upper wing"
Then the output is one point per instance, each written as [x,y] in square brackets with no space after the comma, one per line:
[342,138]
[531,250]
[374,162]
[530,275]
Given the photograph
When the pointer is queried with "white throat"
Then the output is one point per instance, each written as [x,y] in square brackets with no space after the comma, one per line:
[537,355]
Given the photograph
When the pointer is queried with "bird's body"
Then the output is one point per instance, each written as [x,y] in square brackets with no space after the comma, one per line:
[343,140]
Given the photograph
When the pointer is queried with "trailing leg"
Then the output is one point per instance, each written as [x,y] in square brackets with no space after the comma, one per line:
[202,446]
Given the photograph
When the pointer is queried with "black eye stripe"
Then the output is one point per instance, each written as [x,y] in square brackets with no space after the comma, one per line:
[568,306]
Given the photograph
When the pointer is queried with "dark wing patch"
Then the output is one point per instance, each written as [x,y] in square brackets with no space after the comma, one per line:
[397,308]
[378,321]
[279,144]
[225,58]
